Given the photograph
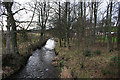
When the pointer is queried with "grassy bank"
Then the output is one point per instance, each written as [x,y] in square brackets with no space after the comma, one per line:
[92,62]
[11,63]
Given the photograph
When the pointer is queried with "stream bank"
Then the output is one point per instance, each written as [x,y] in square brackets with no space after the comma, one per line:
[38,66]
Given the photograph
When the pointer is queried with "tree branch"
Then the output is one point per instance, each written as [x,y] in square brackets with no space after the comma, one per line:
[32,16]
[4,14]
[18,11]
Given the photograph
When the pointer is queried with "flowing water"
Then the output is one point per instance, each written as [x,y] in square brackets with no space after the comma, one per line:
[39,64]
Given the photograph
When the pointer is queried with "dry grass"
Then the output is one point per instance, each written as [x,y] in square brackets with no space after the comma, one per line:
[66,73]
[73,60]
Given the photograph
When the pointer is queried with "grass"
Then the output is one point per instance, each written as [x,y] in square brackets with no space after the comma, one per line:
[25,45]
[94,66]
[115,62]
[112,68]
[87,52]
[105,72]
[98,52]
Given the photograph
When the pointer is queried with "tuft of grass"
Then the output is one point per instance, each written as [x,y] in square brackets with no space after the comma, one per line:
[87,52]
[114,62]
[59,69]
[61,63]
[105,72]
[98,52]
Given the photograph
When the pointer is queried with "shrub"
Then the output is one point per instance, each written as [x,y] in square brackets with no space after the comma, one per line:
[61,63]
[23,36]
[87,52]
[98,52]
[115,62]
[11,63]
[114,59]
[105,72]
[11,60]
[59,69]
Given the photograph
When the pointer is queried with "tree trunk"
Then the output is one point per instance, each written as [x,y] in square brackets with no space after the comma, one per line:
[60,26]
[14,33]
[67,15]
[81,9]
[109,35]
[42,24]
[95,21]
[83,24]
[91,12]
[118,30]
[60,42]
[8,37]
[68,31]
[84,10]
[8,6]
[64,42]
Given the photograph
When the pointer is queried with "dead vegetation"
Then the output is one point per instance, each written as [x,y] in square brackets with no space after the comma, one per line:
[94,66]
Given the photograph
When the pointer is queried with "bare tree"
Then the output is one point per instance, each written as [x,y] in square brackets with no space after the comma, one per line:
[109,35]
[95,19]
[91,11]
[11,22]
[42,12]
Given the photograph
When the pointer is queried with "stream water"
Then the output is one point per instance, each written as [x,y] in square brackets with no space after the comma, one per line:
[39,64]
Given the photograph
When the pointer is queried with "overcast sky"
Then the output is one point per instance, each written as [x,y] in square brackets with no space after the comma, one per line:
[23,16]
